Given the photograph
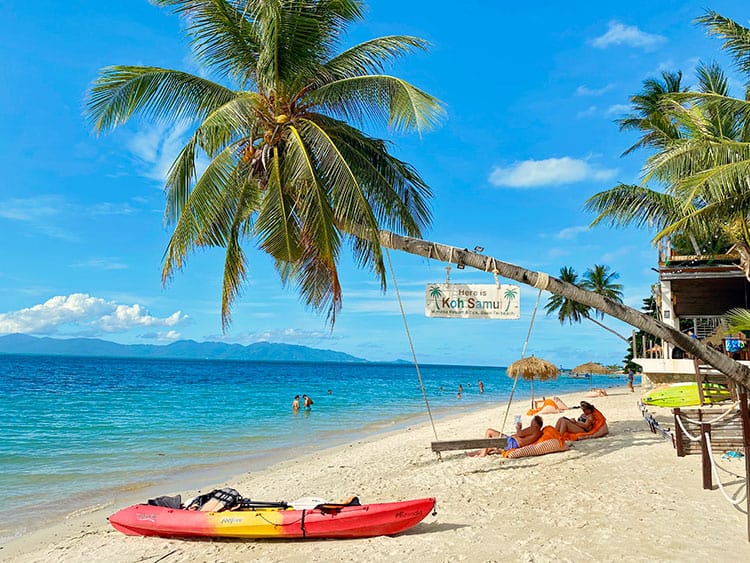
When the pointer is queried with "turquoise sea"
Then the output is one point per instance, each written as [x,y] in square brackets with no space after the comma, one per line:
[77,433]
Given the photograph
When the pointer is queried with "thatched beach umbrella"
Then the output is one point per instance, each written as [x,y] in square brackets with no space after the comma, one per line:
[591,368]
[531,368]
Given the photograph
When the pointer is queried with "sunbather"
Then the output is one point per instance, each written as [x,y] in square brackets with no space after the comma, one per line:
[522,437]
[548,406]
[550,441]
[591,424]
[584,423]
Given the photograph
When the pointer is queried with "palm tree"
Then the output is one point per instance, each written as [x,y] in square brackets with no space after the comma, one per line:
[648,115]
[598,280]
[567,309]
[702,164]
[289,169]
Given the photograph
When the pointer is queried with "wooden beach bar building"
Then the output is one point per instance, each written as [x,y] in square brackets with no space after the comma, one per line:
[693,294]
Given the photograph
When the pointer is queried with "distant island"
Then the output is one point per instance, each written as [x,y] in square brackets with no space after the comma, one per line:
[181,349]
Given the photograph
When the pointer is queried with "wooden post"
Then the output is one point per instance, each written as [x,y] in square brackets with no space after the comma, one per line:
[706,457]
[678,434]
[746,438]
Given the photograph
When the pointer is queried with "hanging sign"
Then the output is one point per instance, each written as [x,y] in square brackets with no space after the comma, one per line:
[472,301]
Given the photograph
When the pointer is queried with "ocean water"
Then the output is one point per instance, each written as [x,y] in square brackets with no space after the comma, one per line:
[84,432]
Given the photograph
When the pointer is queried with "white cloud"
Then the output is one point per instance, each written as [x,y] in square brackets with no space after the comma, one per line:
[558,252]
[621,34]
[571,232]
[584,90]
[43,212]
[31,209]
[618,109]
[548,172]
[588,112]
[168,336]
[80,312]
[157,148]
[102,264]
[615,254]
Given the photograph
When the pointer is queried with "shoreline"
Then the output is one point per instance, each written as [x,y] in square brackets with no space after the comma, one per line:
[623,495]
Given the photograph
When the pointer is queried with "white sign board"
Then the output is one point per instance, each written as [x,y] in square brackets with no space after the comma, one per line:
[472,301]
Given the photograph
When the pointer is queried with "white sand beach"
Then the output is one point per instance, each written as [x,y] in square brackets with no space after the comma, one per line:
[624,497]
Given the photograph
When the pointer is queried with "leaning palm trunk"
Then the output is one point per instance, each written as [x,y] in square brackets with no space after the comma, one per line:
[734,370]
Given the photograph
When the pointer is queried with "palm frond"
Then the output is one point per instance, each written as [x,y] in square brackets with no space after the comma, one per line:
[238,118]
[738,319]
[223,36]
[352,207]
[728,106]
[634,205]
[397,194]
[736,37]
[379,99]
[648,115]
[235,260]
[315,273]
[207,214]
[277,227]
[157,93]
[295,36]
[369,57]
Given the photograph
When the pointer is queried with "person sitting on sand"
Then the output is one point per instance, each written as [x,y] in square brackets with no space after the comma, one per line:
[522,437]
[584,423]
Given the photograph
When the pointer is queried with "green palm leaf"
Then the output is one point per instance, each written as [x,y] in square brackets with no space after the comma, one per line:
[155,93]
[379,100]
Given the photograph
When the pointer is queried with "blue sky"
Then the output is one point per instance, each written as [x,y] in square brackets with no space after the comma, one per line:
[531,93]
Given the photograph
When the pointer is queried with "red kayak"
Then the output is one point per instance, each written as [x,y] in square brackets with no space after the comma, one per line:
[358,521]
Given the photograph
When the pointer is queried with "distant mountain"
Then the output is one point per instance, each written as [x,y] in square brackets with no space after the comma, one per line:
[182,349]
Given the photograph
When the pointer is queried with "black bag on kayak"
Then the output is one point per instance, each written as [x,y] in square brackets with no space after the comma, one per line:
[216,501]
[168,502]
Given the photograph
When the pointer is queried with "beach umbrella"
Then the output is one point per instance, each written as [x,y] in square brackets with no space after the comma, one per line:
[532,368]
[591,368]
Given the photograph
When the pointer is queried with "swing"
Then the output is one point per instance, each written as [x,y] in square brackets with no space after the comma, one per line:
[437,445]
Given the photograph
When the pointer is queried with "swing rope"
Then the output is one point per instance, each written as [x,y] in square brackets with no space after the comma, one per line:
[411,343]
[523,354]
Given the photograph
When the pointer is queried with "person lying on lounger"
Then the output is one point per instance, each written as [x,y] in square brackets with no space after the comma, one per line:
[584,423]
[522,437]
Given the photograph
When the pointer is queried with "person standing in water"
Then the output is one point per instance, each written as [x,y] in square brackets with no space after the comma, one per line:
[295,403]
[307,401]
[481,386]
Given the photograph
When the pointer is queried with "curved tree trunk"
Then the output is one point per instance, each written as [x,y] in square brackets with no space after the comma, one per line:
[734,370]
